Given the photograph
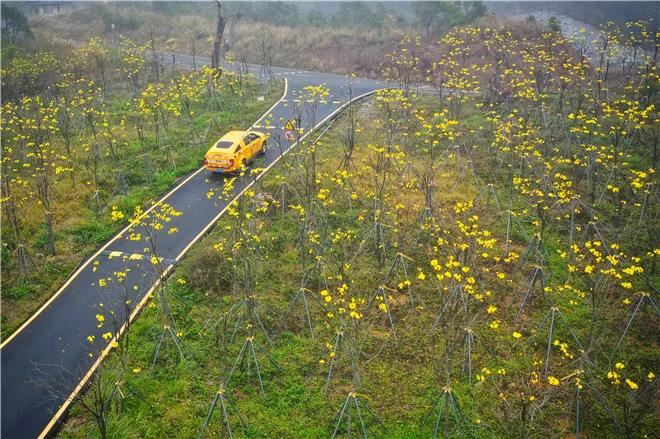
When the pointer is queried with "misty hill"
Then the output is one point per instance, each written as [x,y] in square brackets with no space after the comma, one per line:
[382,13]
[593,13]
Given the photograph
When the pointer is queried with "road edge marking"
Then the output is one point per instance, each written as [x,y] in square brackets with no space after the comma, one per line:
[86,262]
[83,381]
[206,228]
[104,353]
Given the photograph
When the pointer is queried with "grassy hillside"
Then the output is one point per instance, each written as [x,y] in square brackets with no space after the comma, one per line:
[477,262]
[294,401]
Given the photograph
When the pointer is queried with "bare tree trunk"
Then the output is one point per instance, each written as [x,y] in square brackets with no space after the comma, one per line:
[48,215]
[193,53]
[154,58]
[217,41]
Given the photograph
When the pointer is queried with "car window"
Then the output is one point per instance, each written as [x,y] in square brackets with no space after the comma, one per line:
[250,138]
[238,148]
[223,144]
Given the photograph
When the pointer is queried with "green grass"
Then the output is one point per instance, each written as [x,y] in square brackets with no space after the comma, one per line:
[294,401]
[399,379]
[80,229]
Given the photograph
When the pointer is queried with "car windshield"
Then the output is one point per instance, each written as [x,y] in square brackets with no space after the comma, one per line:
[223,144]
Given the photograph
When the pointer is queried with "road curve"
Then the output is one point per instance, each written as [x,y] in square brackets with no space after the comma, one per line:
[47,360]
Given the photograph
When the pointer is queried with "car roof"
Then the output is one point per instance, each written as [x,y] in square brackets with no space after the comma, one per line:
[229,140]
[233,136]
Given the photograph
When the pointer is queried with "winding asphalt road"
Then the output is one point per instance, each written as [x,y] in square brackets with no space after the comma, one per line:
[46,362]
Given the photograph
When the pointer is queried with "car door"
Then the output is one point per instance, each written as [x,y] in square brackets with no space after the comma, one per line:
[241,153]
[248,147]
[254,141]
[258,143]
[251,144]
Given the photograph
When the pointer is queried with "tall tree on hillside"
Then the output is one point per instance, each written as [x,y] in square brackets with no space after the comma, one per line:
[276,12]
[217,40]
[356,14]
[434,16]
[473,9]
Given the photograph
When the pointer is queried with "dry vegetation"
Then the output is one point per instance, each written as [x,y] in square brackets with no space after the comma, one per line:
[327,49]
[344,50]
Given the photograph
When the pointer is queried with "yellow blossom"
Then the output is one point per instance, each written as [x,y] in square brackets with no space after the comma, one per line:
[553,381]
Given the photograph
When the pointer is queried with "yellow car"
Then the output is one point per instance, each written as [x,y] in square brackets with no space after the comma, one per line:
[235,150]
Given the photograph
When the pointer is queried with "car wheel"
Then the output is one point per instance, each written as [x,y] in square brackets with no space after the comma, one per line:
[264,148]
